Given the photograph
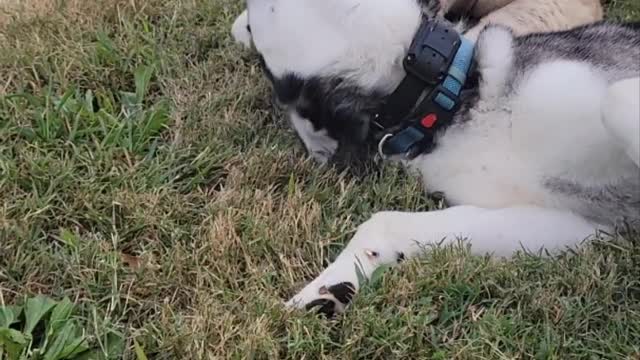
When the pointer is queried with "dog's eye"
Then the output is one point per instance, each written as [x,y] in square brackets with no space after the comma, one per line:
[249,29]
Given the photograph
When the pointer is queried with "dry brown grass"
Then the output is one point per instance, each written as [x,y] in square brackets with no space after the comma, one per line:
[24,10]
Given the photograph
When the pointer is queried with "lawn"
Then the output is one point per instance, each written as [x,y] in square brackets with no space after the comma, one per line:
[145,177]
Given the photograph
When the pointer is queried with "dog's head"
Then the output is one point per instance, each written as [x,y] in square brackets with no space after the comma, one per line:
[331,62]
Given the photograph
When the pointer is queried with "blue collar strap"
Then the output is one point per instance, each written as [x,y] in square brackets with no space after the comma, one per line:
[438,65]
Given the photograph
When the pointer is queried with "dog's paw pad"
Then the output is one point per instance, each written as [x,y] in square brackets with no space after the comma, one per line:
[324,306]
[343,292]
[330,300]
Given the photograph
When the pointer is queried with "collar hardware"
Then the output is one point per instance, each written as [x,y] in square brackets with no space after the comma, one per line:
[431,52]
[437,65]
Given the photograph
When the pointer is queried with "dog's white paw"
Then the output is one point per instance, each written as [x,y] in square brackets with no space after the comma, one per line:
[371,247]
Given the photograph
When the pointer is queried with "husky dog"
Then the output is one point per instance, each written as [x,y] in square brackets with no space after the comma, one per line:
[522,16]
[538,145]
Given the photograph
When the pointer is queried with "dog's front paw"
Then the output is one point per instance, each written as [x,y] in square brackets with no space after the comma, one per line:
[325,299]
[334,288]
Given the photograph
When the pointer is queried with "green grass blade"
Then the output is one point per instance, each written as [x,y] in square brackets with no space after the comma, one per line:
[142,79]
[62,337]
[140,355]
[59,316]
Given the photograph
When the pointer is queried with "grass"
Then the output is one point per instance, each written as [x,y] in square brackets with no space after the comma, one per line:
[144,175]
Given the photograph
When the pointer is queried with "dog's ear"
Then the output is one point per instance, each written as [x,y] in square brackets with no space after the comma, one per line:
[240,30]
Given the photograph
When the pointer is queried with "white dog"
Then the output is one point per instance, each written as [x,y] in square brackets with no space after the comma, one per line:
[534,140]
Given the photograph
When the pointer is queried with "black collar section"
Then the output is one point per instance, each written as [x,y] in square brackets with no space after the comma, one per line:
[437,64]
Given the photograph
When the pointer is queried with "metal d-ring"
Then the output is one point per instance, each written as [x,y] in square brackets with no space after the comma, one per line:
[381,145]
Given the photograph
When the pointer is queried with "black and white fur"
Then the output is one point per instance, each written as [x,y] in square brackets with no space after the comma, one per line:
[545,152]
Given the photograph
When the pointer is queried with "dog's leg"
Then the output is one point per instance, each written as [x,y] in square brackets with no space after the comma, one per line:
[621,115]
[240,30]
[389,237]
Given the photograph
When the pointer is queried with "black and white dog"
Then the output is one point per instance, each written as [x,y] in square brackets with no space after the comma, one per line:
[535,140]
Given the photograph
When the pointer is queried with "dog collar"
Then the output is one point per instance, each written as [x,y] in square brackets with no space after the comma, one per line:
[437,65]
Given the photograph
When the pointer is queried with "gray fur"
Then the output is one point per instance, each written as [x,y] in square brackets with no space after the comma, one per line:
[613,204]
[612,48]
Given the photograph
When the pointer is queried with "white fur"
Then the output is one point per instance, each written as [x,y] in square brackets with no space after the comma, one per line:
[498,159]
[621,116]
[495,53]
[550,126]
[239,30]
[499,232]
[493,166]
[308,36]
